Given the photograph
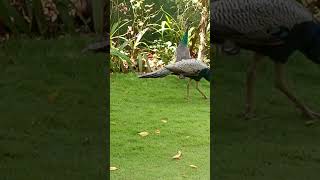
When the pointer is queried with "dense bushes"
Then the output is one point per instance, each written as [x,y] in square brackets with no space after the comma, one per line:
[52,17]
[144,35]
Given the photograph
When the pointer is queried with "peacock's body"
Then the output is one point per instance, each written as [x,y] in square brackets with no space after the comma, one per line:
[273,28]
[184,66]
[191,68]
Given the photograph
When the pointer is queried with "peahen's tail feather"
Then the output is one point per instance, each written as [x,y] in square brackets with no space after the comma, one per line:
[156,74]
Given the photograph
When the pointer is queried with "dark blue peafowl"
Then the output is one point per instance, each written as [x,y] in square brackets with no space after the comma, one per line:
[191,68]
[273,28]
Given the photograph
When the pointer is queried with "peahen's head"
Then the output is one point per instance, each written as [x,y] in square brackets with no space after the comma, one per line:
[311,47]
[206,73]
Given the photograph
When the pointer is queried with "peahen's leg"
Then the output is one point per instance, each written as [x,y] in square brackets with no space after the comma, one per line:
[250,81]
[188,87]
[280,84]
[197,87]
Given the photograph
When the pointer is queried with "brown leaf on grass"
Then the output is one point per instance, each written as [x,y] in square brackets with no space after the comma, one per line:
[157,131]
[177,156]
[52,97]
[143,133]
[193,166]
[112,168]
[86,141]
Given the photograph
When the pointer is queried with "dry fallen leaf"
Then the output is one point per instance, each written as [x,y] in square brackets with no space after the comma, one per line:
[164,120]
[193,166]
[177,156]
[86,141]
[113,168]
[143,134]
[157,131]
[52,97]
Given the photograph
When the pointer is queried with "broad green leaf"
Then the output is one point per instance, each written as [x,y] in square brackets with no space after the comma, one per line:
[116,52]
[9,12]
[139,36]
[38,17]
[140,62]
[98,15]
[67,20]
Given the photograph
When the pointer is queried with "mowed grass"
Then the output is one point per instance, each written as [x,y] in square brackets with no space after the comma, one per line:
[52,110]
[276,144]
[139,105]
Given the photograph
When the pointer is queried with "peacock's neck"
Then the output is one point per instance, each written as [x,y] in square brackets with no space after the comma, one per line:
[184,39]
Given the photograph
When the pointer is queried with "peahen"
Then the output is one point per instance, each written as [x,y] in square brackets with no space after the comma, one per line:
[273,28]
[191,68]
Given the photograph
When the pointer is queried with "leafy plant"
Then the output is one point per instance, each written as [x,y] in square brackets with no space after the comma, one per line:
[146,35]
[98,15]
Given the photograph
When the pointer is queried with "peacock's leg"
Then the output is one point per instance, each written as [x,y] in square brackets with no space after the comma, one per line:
[197,87]
[188,87]
[250,81]
[280,84]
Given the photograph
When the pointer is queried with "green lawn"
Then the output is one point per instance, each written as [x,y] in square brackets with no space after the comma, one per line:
[140,105]
[275,145]
[52,110]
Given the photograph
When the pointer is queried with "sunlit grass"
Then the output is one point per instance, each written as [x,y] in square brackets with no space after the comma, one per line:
[141,105]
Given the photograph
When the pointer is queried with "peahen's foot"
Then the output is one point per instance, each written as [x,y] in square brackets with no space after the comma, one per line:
[312,117]
[248,114]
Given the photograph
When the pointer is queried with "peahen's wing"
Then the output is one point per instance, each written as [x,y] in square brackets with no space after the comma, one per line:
[256,22]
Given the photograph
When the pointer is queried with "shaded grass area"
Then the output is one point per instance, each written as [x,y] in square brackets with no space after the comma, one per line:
[52,107]
[276,144]
[140,105]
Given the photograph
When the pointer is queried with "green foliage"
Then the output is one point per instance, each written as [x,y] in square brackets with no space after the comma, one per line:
[37,16]
[12,18]
[51,18]
[68,21]
[147,33]
[98,15]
